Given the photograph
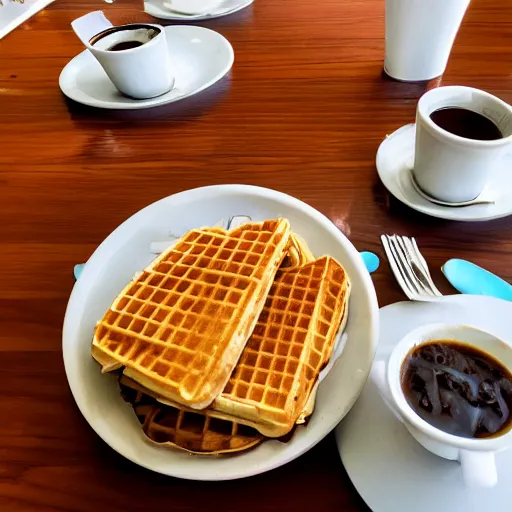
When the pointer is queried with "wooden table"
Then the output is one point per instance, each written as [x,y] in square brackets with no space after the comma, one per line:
[303,111]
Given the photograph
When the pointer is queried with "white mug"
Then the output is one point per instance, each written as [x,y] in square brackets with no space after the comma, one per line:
[420,35]
[453,168]
[141,72]
[476,456]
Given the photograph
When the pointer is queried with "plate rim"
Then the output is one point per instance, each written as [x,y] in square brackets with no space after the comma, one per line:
[107,246]
[66,74]
[432,210]
[204,17]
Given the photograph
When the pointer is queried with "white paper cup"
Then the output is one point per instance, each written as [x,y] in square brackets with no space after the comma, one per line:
[452,168]
[420,35]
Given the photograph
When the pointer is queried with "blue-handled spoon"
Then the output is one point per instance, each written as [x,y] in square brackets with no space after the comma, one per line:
[371,261]
[466,277]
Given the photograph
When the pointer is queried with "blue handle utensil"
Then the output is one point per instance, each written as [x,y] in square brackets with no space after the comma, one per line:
[371,261]
[78,269]
[466,277]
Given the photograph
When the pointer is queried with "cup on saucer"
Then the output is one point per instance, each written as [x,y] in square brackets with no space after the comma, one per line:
[135,56]
[462,135]
[461,431]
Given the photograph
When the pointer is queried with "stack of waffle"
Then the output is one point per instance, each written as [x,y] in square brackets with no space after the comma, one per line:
[220,342]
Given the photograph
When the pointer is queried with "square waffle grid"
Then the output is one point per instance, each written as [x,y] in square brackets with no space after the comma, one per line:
[196,431]
[160,328]
[270,362]
[189,430]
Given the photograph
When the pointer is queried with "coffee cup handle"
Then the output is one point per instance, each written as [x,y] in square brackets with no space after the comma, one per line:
[478,468]
[378,375]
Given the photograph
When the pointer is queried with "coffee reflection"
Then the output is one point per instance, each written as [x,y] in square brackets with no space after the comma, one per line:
[458,389]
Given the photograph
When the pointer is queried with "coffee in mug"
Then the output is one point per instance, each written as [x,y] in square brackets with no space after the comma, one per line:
[458,389]
[462,135]
[124,45]
[466,123]
[450,385]
[135,57]
[124,37]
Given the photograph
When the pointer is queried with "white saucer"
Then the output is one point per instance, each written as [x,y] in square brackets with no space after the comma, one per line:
[394,161]
[227,7]
[200,58]
[392,471]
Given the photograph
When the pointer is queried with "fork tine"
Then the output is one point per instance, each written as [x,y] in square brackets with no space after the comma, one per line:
[416,274]
[396,268]
[419,267]
[422,260]
[404,260]
[410,268]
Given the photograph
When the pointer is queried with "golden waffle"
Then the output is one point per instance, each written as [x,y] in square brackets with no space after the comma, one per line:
[186,429]
[324,314]
[180,327]
[297,252]
[293,340]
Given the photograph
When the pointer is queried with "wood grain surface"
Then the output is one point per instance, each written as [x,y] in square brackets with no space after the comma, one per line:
[303,111]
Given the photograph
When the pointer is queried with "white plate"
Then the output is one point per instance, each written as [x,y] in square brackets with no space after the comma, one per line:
[392,471]
[227,7]
[200,57]
[126,251]
[394,162]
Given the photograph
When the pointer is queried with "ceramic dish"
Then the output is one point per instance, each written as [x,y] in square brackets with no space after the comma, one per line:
[200,57]
[395,158]
[157,9]
[388,467]
[126,251]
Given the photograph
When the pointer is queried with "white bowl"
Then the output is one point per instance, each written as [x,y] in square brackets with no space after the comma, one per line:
[126,251]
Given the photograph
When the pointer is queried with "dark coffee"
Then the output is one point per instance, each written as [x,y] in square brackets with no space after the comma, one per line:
[125,45]
[466,123]
[458,389]
[137,31]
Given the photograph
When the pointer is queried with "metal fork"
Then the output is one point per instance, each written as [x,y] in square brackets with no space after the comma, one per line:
[410,268]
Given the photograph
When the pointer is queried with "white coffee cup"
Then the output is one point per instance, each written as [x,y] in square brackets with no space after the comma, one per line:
[420,36]
[140,72]
[453,168]
[476,456]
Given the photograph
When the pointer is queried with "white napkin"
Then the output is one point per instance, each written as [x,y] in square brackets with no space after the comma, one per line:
[13,14]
